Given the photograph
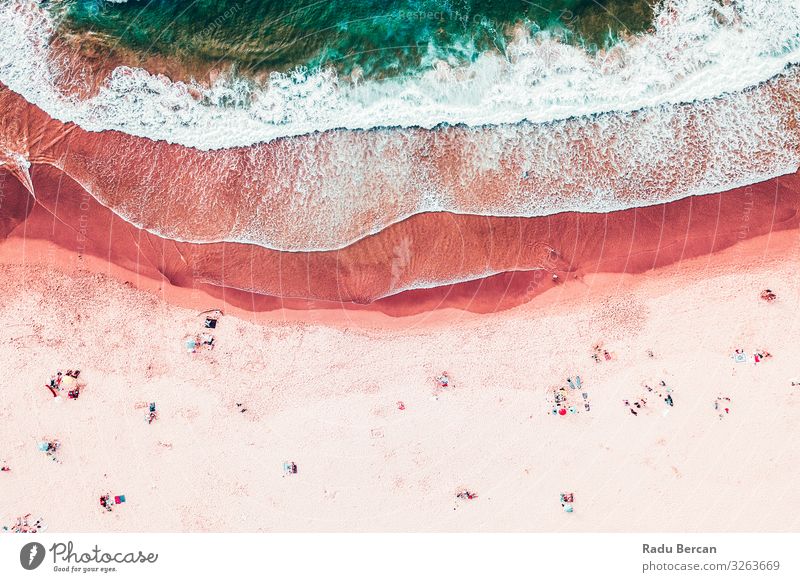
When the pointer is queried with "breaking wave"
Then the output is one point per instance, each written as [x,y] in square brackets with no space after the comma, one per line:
[697,49]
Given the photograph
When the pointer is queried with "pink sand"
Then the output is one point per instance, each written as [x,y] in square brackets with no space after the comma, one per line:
[321,395]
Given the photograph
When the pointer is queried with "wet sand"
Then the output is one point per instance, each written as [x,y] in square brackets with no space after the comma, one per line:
[500,262]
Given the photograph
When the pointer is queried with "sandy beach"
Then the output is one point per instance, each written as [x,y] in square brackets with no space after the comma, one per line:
[471,272]
[322,391]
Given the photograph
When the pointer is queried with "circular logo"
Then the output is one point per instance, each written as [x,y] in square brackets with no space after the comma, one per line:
[31,555]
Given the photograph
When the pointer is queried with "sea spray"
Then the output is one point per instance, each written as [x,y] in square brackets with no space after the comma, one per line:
[326,190]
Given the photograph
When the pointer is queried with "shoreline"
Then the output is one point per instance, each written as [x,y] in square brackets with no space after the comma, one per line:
[370,275]
[43,254]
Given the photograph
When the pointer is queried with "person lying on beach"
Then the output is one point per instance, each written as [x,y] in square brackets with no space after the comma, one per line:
[51,449]
[151,413]
[22,526]
[106,502]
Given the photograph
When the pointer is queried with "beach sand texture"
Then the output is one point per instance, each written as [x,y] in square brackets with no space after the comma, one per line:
[324,395]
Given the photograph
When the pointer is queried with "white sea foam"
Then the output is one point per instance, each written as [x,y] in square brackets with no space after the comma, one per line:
[698,50]
[325,191]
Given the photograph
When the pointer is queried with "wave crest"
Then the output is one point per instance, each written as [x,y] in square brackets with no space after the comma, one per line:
[698,49]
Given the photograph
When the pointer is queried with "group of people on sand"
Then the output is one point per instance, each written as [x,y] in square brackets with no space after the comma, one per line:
[65,381]
[600,354]
[50,447]
[441,382]
[107,502]
[198,342]
[722,405]
[663,392]
[59,382]
[22,525]
[464,495]
[564,401]
[204,340]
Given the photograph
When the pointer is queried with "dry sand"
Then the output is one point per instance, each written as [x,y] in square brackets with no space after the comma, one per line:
[324,395]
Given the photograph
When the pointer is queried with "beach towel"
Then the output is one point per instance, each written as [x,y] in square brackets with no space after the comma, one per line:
[43,447]
[119,499]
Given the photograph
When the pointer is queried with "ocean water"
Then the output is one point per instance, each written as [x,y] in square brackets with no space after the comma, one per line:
[372,38]
[503,63]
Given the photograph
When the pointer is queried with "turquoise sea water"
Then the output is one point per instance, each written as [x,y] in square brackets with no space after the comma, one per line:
[381,38]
